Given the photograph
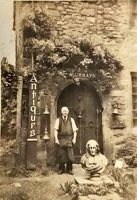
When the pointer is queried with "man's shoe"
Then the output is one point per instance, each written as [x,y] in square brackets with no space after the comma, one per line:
[70,172]
[61,172]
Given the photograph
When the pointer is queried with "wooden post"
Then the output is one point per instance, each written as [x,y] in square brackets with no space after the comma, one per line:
[31,148]
[19,108]
[0,99]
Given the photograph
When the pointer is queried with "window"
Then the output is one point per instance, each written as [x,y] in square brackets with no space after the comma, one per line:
[134,14]
[134,97]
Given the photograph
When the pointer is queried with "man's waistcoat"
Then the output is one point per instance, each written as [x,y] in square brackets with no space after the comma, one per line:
[65,127]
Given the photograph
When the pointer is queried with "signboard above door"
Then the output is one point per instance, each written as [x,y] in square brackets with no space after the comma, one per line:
[81,75]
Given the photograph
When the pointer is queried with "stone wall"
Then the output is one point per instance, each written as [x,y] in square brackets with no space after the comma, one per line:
[73,18]
[104,20]
[101,17]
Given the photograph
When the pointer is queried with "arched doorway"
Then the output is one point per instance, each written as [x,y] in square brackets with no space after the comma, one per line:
[85,107]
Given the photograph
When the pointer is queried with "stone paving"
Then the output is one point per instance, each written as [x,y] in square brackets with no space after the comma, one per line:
[112,196]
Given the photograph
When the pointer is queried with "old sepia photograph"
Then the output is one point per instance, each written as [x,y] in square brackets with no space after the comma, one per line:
[68,106]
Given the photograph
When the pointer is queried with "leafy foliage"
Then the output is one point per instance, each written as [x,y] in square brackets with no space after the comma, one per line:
[66,187]
[128,151]
[75,190]
[8,102]
[37,26]
[61,56]
[126,182]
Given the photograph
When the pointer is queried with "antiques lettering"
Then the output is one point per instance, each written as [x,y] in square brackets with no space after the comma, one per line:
[32,106]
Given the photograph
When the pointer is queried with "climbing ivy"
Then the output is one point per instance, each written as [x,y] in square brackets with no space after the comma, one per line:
[56,56]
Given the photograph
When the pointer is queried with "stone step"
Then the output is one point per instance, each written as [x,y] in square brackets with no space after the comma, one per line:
[82,181]
[112,196]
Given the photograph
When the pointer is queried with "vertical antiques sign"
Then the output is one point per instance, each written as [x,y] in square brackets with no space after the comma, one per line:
[31,151]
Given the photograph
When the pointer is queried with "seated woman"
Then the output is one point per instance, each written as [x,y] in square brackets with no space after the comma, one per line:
[93,161]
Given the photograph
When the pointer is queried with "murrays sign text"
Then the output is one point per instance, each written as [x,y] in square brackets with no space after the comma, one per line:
[81,75]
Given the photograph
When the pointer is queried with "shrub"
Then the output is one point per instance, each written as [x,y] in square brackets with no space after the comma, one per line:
[128,151]
[8,101]
[126,182]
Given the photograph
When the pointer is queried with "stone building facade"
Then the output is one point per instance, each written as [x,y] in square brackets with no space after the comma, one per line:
[113,23]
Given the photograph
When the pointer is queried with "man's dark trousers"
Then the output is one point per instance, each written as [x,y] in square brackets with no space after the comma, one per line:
[68,166]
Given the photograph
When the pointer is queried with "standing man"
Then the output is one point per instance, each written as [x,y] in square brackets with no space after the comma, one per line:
[65,138]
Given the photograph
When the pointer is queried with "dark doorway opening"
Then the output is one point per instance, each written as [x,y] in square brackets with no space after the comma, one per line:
[85,107]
